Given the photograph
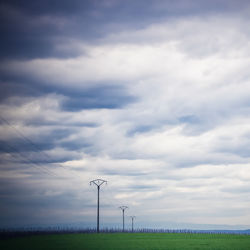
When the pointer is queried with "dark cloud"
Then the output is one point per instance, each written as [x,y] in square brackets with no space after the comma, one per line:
[35,29]
[43,141]
[32,158]
[189,119]
[73,145]
[30,150]
[59,7]
[107,96]
[142,129]
[99,95]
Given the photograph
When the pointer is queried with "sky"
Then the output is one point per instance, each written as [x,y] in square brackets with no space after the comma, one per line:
[151,96]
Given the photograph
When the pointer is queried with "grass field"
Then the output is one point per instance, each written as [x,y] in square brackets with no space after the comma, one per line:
[119,241]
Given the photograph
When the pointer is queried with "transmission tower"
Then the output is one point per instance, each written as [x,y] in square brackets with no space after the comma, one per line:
[132,218]
[98,183]
[123,208]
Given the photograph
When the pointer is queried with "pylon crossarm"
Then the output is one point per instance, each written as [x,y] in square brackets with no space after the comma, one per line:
[123,207]
[98,182]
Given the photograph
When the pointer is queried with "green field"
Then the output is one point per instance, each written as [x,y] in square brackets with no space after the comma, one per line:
[119,241]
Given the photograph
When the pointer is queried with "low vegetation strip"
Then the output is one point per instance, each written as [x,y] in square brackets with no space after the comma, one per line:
[11,233]
[126,241]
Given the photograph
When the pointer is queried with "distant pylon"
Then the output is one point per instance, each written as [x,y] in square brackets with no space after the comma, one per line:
[132,218]
[123,208]
[98,183]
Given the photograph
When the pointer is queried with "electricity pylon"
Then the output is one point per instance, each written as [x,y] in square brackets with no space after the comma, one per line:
[98,183]
[123,208]
[132,218]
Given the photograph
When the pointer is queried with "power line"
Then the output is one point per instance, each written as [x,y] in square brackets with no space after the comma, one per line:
[29,141]
[36,147]
[31,162]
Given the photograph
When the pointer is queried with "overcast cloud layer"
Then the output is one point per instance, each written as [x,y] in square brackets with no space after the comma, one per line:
[152,96]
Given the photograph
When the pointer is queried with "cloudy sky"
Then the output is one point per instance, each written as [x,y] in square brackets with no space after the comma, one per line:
[152,96]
